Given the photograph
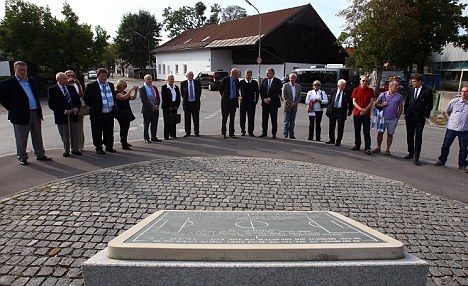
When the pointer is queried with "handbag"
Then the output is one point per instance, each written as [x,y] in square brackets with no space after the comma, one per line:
[84,109]
[174,118]
[378,121]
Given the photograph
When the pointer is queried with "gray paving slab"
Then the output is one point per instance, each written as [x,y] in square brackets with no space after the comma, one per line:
[91,209]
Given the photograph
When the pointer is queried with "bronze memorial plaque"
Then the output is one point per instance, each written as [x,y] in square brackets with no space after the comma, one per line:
[252,236]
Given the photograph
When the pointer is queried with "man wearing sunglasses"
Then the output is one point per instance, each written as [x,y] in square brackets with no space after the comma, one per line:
[363,98]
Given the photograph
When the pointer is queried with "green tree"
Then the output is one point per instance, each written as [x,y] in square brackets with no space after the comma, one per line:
[111,54]
[214,16]
[400,32]
[133,35]
[233,12]
[29,32]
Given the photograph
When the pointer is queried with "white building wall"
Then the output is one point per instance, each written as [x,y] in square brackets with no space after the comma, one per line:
[195,60]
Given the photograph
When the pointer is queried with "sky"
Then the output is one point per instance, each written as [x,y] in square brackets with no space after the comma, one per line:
[108,14]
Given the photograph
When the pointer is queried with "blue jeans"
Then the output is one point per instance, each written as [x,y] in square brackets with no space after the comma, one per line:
[462,142]
[289,123]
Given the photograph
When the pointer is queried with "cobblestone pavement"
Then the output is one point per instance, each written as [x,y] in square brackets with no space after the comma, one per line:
[47,232]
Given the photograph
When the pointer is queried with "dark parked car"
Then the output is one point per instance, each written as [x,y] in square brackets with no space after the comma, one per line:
[211,79]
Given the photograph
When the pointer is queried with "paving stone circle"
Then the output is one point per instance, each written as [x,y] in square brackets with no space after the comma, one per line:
[47,232]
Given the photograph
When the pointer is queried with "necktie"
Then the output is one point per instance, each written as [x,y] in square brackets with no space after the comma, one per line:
[416,93]
[337,99]
[269,83]
[191,93]
[67,95]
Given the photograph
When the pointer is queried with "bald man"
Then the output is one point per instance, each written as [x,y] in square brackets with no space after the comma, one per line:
[229,90]
[190,90]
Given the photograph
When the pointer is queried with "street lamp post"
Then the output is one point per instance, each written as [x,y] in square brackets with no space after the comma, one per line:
[149,51]
[259,59]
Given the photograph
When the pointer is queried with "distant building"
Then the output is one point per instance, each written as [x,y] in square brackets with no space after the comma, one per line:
[290,38]
[450,64]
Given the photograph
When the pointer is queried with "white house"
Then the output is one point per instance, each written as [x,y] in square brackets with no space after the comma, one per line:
[290,38]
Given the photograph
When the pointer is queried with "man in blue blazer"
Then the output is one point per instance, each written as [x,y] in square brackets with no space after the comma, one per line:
[65,102]
[20,96]
[229,90]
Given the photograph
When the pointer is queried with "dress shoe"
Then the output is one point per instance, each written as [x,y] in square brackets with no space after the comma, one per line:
[330,142]
[355,148]
[318,140]
[262,135]
[367,151]
[310,139]
[24,162]
[285,136]
[224,136]
[417,162]
[292,138]
[155,139]
[100,151]
[66,155]
[243,134]
[77,153]
[251,135]
[128,144]
[111,150]
[125,147]
[44,158]
[337,144]
[233,136]
[197,134]
[187,135]
[274,136]
[409,156]
[148,141]
[439,163]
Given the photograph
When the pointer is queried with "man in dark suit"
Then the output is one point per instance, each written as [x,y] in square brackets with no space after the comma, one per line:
[19,95]
[339,108]
[65,102]
[190,90]
[270,92]
[100,97]
[418,106]
[150,109]
[229,90]
[249,94]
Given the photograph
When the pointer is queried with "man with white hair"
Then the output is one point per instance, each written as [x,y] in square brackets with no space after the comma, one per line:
[339,108]
[20,96]
[65,103]
[190,90]
[229,90]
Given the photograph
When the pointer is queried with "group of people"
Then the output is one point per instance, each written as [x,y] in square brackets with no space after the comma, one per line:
[103,102]
[341,103]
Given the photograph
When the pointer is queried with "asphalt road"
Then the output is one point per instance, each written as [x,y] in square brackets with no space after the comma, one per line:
[210,124]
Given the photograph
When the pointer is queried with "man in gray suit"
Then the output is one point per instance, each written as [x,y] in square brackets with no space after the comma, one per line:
[291,93]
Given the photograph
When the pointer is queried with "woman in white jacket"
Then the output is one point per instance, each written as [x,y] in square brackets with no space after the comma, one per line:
[316,98]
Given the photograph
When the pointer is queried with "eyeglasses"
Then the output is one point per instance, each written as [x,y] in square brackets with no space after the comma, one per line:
[364,81]
[316,84]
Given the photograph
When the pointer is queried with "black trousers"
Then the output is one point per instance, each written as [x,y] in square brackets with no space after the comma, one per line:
[269,111]
[249,112]
[192,111]
[315,121]
[331,130]
[228,111]
[124,126]
[102,129]
[150,118]
[169,127]
[365,121]
[414,131]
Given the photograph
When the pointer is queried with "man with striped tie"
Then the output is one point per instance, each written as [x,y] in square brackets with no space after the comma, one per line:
[65,103]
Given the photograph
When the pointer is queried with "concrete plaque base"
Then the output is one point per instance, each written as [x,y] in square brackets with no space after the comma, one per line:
[252,236]
[100,270]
